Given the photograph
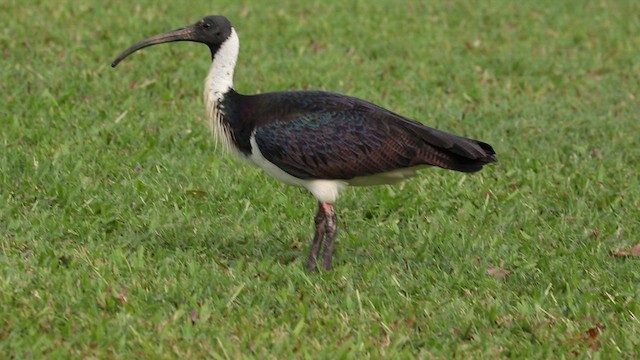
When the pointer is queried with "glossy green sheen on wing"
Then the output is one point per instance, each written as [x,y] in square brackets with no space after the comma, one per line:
[331,136]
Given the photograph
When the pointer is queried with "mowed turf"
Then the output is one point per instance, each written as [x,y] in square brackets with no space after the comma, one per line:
[125,233]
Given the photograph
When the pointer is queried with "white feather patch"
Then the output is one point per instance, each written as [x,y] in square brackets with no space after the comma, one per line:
[325,191]
[219,81]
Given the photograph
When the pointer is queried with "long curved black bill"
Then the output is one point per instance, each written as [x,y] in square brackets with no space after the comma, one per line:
[182,34]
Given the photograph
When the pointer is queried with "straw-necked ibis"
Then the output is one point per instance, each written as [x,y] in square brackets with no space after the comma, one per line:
[318,140]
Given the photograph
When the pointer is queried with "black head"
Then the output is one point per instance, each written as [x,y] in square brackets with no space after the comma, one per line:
[212,30]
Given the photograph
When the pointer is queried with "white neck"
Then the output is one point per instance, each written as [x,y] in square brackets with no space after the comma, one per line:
[218,83]
[220,78]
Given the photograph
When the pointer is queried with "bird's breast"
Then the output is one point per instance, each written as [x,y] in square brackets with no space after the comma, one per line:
[325,190]
[219,127]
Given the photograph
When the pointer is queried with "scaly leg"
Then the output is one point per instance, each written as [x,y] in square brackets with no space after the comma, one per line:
[331,225]
[320,220]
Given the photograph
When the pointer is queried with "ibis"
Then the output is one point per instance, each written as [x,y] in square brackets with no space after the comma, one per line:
[317,140]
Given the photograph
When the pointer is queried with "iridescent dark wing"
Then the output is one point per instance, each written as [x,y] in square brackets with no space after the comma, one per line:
[352,138]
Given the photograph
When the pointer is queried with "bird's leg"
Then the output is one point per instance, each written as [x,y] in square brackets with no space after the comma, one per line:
[331,224]
[320,221]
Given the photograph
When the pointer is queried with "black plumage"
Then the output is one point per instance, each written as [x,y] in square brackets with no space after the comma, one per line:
[321,135]
[319,140]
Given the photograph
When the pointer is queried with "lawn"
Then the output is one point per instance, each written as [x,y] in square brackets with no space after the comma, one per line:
[126,233]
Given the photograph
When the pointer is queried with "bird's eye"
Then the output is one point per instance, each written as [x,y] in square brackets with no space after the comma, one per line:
[206,25]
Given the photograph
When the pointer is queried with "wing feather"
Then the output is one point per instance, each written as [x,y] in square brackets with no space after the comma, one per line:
[327,136]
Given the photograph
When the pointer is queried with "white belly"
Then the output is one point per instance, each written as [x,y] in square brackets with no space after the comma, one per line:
[325,191]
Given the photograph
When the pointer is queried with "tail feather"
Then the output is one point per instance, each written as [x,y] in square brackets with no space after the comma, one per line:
[463,154]
[468,155]
[452,151]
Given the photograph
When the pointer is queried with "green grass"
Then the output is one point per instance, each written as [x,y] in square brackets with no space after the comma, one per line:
[124,233]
